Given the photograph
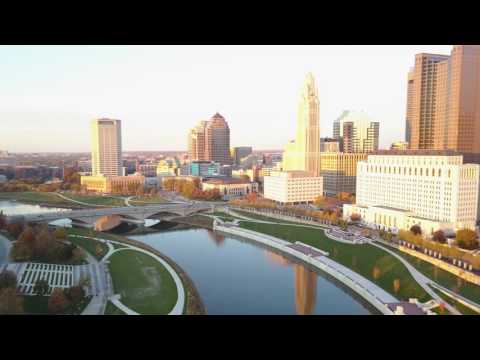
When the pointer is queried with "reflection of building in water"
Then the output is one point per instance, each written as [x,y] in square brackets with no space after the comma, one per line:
[276,258]
[216,237]
[305,289]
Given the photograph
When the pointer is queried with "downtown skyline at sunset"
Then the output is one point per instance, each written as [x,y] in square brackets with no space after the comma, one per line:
[60,89]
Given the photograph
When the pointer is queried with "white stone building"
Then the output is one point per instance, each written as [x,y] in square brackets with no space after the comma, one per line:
[433,189]
[292,187]
[230,188]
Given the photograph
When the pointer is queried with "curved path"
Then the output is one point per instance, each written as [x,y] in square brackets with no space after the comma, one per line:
[421,279]
[180,304]
[78,202]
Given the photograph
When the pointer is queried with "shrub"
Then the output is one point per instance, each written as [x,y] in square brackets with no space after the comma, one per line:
[41,287]
[467,239]
[8,279]
[57,302]
[416,230]
[355,217]
[439,236]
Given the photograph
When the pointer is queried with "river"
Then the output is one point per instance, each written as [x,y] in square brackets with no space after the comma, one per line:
[236,276]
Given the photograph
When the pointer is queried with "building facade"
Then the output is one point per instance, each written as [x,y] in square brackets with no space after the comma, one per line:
[302,154]
[106,137]
[329,145]
[240,152]
[196,142]
[435,190]
[339,171]
[443,102]
[230,188]
[357,132]
[112,184]
[292,187]
[399,145]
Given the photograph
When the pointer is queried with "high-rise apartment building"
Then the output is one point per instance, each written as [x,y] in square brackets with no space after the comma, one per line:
[357,132]
[433,189]
[303,153]
[443,102]
[106,140]
[210,140]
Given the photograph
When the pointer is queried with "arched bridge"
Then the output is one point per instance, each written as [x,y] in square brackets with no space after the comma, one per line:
[115,215]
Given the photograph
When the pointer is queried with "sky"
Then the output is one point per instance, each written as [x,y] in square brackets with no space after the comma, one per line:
[49,94]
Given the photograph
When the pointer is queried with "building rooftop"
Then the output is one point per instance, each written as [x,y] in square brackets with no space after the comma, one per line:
[408,308]
[417,152]
[226,181]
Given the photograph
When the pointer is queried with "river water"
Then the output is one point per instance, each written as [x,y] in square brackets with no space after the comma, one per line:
[236,276]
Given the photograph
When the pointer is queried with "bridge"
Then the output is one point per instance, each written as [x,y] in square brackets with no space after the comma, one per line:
[107,218]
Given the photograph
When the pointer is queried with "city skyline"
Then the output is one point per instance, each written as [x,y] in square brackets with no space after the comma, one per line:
[147,87]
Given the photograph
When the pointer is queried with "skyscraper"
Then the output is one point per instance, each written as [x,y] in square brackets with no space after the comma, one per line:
[196,142]
[443,108]
[106,140]
[217,140]
[357,132]
[410,88]
[210,140]
[240,152]
[304,153]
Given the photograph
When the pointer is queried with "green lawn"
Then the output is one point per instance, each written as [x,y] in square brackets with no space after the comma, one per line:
[367,260]
[444,278]
[112,309]
[90,246]
[460,307]
[266,218]
[144,284]
[147,200]
[34,197]
[96,199]
[224,216]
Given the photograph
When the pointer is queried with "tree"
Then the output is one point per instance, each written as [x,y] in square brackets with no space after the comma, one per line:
[10,302]
[75,293]
[99,250]
[355,217]
[467,239]
[57,302]
[3,221]
[8,279]
[320,201]
[396,285]
[15,229]
[41,287]
[416,230]
[439,236]
[60,233]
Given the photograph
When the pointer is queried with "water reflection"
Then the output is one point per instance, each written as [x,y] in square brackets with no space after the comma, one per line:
[217,238]
[277,259]
[305,290]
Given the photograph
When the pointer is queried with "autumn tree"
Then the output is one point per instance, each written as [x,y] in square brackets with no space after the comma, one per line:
[439,236]
[416,230]
[41,287]
[396,285]
[10,301]
[467,239]
[60,233]
[15,229]
[57,302]
[355,217]
[8,279]
[75,293]
[3,221]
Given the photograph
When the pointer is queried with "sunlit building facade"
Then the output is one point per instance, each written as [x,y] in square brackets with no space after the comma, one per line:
[106,138]
[302,154]
[339,171]
[292,187]
[433,189]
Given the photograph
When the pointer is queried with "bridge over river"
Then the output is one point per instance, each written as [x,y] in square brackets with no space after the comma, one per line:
[107,218]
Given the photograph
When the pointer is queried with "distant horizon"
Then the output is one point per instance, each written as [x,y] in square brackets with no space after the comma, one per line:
[160,92]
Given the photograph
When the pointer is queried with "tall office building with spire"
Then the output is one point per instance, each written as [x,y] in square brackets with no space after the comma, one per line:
[106,137]
[304,152]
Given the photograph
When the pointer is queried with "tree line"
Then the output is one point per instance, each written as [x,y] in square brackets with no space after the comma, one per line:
[191,189]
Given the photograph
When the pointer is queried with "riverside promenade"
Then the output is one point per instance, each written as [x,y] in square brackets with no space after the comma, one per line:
[369,291]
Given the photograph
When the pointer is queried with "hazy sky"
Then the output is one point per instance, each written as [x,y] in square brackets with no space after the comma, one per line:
[49,94]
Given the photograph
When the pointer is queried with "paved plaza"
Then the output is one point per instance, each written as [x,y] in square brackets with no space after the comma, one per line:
[57,276]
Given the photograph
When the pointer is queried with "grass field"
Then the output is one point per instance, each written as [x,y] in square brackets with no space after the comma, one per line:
[266,218]
[90,246]
[444,278]
[34,197]
[96,199]
[112,309]
[460,307]
[147,200]
[144,284]
[369,261]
